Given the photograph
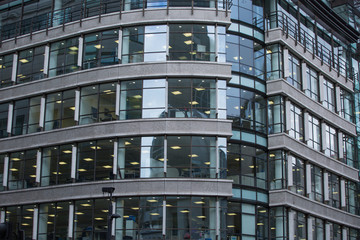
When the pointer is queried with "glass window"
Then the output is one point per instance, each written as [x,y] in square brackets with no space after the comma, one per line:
[191,157]
[334,190]
[299,226]
[56,165]
[316,183]
[21,219]
[314,140]
[277,169]
[276,115]
[59,110]
[347,107]
[278,223]
[274,62]
[335,231]
[140,217]
[144,44]
[318,230]
[298,172]
[351,197]
[192,42]
[22,170]
[53,221]
[95,160]
[331,142]
[294,71]
[312,84]
[4,109]
[142,99]
[247,109]
[329,95]
[97,103]
[349,151]
[297,123]
[31,65]
[35,16]
[90,219]
[249,11]
[2,162]
[140,157]
[100,49]
[26,116]
[247,165]
[194,98]
[246,56]
[63,57]
[6,65]
[190,217]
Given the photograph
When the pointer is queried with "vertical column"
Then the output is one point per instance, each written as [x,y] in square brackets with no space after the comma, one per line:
[306,126]
[6,171]
[10,117]
[337,97]
[46,61]
[287,115]
[164,219]
[42,112]
[289,171]
[73,162]
[342,193]
[77,105]
[326,186]
[120,44]
[217,158]
[308,178]
[38,166]
[81,51]
[2,216]
[115,166]
[14,68]
[167,42]
[35,223]
[309,228]
[291,225]
[286,62]
[344,233]
[117,104]
[217,219]
[323,136]
[165,156]
[114,220]
[304,76]
[71,221]
[340,145]
[327,231]
[321,88]
[216,43]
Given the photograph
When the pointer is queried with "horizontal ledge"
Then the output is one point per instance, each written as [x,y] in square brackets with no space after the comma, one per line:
[113,129]
[118,72]
[123,188]
[287,198]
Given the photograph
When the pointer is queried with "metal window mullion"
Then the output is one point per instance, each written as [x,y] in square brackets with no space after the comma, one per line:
[35,222]
[77,105]
[116,144]
[164,219]
[71,220]
[46,60]
[10,117]
[38,166]
[290,181]
[6,170]
[120,44]
[80,52]
[165,155]
[14,67]
[73,162]
[42,112]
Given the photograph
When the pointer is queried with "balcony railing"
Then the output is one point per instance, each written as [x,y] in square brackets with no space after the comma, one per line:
[311,43]
[86,10]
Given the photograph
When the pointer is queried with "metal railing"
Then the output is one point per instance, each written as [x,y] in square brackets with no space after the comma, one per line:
[85,9]
[313,44]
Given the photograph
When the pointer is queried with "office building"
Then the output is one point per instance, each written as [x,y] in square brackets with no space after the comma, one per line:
[211,119]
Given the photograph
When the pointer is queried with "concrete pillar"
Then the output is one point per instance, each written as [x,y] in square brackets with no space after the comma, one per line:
[289,171]
[342,193]
[304,76]
[2,216]
[287,115]
[337,99]
[35,223]
[38,166]
[120,44]
[46,61]
[327,231]
[308,178]
[291,225]
[115,159]
[323,136]
[286,62]
[340,145]
[6,171]
[117,103]
[14,67]
[321,88]
[73,162]
[71,220]
[42,112]
[80,52]
[306,126]
[77,105]
[309,228]
[10,117]
[326,186]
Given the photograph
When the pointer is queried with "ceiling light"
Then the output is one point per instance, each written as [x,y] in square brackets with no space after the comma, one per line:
[187,34]
[176,92]
[175,147]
